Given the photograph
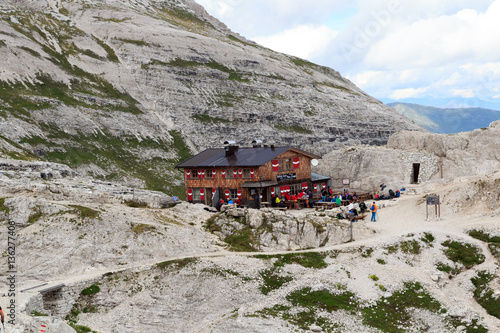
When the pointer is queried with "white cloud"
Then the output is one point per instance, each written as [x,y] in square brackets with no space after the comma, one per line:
[390,48]
[407,93]
[465,93]
[305,41]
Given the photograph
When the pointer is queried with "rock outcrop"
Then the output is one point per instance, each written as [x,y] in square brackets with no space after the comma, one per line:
[438,156]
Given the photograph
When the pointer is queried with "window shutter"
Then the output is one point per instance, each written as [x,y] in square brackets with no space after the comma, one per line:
[240,173]
[202,194]
[252,173]
[227,194]
[315,188]
[190,194]
[223,174]
[276,165]
[188,174]
[214,173]
[235,173]
[239,194]
[272,192]
[213,191]
[296,163]
[324,186]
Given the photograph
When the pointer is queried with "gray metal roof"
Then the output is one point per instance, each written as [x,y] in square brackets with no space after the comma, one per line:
[243,157]
[316,177]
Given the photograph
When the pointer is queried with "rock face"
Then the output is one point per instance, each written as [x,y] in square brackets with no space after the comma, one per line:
[271,230]
[437,155]
[126,89]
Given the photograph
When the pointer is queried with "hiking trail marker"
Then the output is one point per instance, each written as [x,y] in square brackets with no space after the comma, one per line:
[433,200]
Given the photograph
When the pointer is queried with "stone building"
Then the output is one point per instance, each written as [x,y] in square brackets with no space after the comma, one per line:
[253,175]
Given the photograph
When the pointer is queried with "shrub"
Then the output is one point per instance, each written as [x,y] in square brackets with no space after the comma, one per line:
[466,254]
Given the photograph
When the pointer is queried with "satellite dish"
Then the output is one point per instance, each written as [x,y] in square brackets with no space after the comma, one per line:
[314,162]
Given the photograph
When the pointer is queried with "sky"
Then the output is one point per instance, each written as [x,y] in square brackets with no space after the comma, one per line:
[443,53]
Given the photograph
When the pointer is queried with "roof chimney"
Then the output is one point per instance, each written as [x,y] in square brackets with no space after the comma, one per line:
[257,143]
[231,147]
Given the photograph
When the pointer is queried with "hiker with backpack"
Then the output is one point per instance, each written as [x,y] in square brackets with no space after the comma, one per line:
[373,209]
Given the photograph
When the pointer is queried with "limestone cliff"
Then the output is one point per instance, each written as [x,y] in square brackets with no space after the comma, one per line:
[125,89]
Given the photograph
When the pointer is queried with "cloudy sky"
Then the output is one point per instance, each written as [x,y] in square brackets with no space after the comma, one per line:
[431,52]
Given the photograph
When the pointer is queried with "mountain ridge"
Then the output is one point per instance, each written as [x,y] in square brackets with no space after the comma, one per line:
[124,90]
[447,120]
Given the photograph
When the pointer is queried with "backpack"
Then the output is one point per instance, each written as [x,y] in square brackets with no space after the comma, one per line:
[373,208]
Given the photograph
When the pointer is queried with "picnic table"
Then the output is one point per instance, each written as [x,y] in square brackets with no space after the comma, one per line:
[324,205]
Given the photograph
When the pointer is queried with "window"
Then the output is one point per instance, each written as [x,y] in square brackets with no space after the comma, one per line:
[233,194]
[209,174]
[196,194]
[194,173]
[285,164]
[246,173]
[230,174]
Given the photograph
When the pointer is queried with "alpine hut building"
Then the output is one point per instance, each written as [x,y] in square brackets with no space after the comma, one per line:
[253,175]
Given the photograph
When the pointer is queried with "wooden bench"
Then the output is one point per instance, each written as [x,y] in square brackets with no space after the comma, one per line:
[323,205]
[279,208]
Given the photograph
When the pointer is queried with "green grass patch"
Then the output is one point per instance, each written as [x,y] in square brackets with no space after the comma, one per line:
[35,313]
[233,75]
[410,246]
[306,259]
[85,212]
[336,86]
[241,241]
[30,51]
[176,264]
[205,118]
[428,238]
[324,300]
[92,290]
[484,295]
[483,236]
[34,217]
[466,254]
[271,280]
[142,228]
[393,314]
[3,208]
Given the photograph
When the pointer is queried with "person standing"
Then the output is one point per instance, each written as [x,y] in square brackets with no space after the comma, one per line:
[2,315]
[373,209]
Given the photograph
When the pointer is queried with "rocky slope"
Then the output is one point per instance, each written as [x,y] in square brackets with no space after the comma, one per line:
[124,90]
[168,267]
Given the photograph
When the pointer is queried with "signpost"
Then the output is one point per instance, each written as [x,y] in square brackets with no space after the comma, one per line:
[433,200]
